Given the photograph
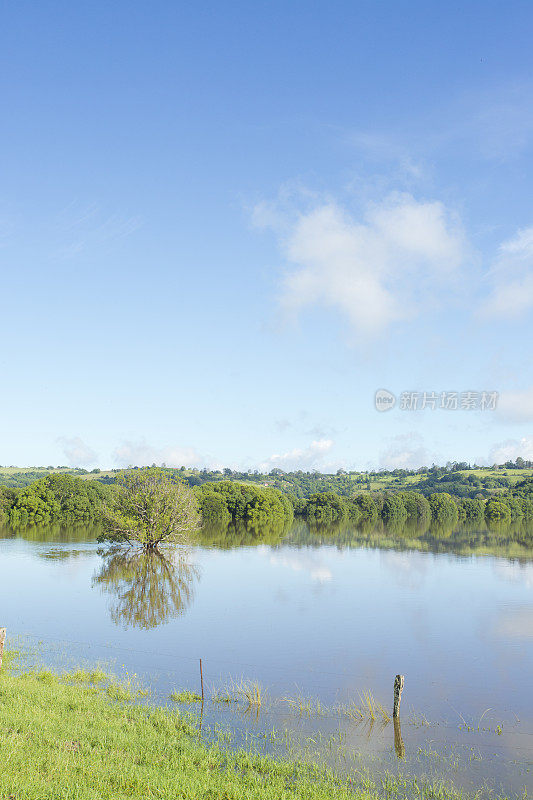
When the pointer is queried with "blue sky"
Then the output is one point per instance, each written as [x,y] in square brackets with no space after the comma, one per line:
[224,226]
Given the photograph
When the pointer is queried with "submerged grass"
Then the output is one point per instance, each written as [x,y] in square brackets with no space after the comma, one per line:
[72,737]
[373,709]
[304,706]
[367,710]
[186,697]
[250,692]
[66,737]
[246,692]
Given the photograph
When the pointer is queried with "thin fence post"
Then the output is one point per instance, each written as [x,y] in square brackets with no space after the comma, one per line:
[202,681]
[398,689]
[2,640]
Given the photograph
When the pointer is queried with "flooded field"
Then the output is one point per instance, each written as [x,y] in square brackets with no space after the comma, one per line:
[294,630]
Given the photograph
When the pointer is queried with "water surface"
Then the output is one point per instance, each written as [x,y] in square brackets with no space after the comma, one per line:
[323,614]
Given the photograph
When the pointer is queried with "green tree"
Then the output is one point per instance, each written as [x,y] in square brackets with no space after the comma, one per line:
[443,508]
[325,507]
[470,510]
[416,506]
[393,509]
[213,507]
[367,507]
[150,507]
[496,511]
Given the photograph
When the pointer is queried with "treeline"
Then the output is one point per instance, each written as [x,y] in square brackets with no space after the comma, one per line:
[225,501]
[64,499]
[67,499]
[457,478]
[21,478]
[408,506]
[56,498]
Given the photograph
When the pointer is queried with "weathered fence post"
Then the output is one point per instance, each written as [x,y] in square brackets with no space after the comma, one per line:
[202,682]
[398,689]
[2,640]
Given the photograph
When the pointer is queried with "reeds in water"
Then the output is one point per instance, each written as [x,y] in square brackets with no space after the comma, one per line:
[367,710]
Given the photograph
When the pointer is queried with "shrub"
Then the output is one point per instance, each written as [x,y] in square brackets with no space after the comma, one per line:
[325,507]
[496,511]
[443,508]
[367,507]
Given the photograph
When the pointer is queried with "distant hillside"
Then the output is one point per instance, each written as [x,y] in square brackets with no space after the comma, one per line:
[458,479]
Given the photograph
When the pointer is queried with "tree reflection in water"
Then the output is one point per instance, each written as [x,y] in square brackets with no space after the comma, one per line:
[147,589]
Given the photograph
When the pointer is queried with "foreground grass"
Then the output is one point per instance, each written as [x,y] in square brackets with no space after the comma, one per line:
[84,735]
[78,736]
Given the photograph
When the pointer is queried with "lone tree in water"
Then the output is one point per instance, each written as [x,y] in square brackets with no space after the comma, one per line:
[150,507]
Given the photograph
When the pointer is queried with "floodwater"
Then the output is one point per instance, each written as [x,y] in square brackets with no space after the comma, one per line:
[323,615]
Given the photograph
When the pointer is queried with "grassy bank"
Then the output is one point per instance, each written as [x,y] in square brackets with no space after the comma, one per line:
[80,736]
[84,736]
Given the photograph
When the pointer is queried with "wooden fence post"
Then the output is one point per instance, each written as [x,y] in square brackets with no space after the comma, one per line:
[398,689]
[2,640]
[202,682]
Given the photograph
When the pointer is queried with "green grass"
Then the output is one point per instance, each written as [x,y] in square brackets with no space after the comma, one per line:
[76,737]
[367,710]
[65,737]
[305,706]
[186,697]
[250,692]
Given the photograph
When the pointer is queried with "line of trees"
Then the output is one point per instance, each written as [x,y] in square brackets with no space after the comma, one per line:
[225,501]
[56,498]
[403,506]
[69,499]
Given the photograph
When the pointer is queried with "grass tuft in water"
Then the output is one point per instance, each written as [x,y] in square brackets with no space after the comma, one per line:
[304,706]
[185,696]
[249,692]
[367,710]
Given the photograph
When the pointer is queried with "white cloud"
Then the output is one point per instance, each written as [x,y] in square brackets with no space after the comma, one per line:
[516,406]
[406,451]
[299,458]
[512,449]
[77,453]
[142,454]
[376,271]
[511,275]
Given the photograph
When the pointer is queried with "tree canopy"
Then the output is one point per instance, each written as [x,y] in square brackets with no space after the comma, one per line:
[150,507]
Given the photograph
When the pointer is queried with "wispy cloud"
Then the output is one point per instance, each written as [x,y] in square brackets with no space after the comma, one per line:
[376,270]
[511,276]
[406,451]
[86,227]
[141,454]
[305,458]
[511,449]
[77,452]
[516,406]
[494,125]
[304,425]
